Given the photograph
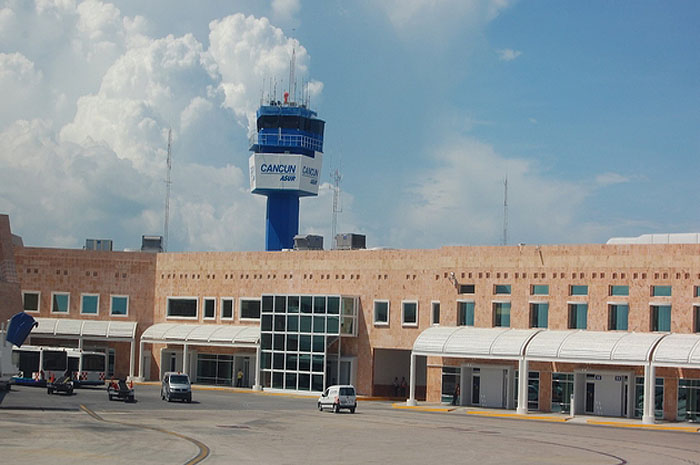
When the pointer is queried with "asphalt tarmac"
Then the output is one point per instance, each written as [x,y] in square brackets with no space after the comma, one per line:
[227,426]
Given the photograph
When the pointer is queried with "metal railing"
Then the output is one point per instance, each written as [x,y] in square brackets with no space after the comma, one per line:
[287,140]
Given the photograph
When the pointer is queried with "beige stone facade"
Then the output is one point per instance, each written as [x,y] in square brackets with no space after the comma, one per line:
[423,276]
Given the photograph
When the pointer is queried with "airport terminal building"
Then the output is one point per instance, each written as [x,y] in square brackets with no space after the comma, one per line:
[613,328]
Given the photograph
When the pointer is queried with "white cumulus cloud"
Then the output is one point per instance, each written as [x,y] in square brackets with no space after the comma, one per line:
[508,54]
[460,200]
[100,97]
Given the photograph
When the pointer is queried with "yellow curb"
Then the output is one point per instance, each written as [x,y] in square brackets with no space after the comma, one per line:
[517,415]
[423,409]
[687,429]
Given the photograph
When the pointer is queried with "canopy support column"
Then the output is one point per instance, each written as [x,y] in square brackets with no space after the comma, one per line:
[649,394]
[411,401]
[522,386]
[184,359]
[256,386]
[140,378]
[132,358]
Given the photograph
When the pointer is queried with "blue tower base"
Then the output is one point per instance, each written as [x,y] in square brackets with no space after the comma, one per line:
[281,221]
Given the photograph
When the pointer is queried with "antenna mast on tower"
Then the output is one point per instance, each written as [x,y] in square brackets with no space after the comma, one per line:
[505,212]
[292,81]
[336,176]
[167,192]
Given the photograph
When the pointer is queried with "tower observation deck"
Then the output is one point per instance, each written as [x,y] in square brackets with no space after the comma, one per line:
[285,165]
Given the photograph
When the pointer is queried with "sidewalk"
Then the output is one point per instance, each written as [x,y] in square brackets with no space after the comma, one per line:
[551,417]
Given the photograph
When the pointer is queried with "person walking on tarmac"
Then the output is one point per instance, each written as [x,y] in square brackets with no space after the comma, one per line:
[455,395]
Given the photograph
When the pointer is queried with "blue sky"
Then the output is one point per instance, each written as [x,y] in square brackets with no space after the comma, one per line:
[592,110]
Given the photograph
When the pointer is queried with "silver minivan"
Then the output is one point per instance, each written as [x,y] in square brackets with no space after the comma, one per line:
[176,386]
[338,397]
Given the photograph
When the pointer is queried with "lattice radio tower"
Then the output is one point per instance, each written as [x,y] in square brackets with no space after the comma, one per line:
[505,211]
[336,177]
[167,192]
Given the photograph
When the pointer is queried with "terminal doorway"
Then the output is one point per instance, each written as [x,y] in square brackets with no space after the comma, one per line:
[394,364]
[486,386]
[603,394]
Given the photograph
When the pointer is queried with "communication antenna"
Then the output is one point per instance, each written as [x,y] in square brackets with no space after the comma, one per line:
[505,211]
[167,192]
[292,82]
[336,177]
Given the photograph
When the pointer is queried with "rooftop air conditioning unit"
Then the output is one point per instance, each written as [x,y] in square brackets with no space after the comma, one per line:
[152,244]
[350,241]
[308,242]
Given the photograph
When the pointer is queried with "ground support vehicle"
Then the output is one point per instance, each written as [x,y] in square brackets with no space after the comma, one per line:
[176,386]
[338,397]
[119,390]
[63,384]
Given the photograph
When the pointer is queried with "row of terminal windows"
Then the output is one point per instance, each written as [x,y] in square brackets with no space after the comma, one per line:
[94,274]
[562,275]
[576,289]
[188,308]
[253,276]
[89,303]
[577,318]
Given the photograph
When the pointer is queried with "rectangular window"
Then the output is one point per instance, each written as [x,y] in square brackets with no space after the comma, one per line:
[409,313]
[501,289]
[31,301]
[689,400]
[466,288]
[381,312]
[696,316]
[539,289]
[562,389]
[227,309]
[119,305]
[89,304]
[533,389]
[501,314]
[578,316]
[182,307]
[579,289]
[617,317]
[209,309]
[465,313]
[450,379]
[658,397]
[435,313]
[661,291]
[696,291]
[539,314]
[60,302]
[250,309]
[619,290]
[661,318]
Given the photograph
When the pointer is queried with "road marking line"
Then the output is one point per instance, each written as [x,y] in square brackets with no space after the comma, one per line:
[688,429]
[204,451]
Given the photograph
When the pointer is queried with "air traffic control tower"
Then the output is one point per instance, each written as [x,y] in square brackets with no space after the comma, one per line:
[285,165]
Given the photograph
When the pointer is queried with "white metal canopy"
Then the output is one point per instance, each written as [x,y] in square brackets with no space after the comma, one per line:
[468,341]
[85,329]
[593,347]
[678,350]
[213,334]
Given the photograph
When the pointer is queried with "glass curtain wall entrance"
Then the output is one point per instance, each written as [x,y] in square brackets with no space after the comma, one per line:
[215,369]
[295,334]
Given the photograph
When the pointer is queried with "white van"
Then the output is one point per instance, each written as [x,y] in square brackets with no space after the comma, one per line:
[176,386]
[337,397]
